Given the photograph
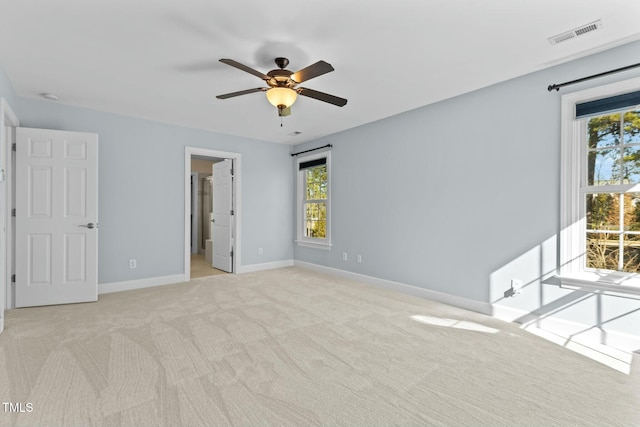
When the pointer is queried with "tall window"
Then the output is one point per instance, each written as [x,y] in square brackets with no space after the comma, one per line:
[600,235]
[611,196]
[314,201]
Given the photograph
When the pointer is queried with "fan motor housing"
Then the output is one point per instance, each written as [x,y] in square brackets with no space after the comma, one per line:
[280,78]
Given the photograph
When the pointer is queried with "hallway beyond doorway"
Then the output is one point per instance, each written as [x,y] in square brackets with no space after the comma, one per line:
[201,268]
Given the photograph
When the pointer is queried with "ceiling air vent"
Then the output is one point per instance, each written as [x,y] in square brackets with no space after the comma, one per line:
[568,35]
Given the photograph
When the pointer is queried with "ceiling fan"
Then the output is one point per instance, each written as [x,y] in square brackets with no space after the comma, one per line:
[283,84]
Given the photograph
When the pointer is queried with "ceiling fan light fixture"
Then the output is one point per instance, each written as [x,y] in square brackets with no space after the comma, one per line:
[281,97]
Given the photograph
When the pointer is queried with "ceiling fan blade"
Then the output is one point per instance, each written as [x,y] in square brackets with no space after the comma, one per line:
[314,70]
[321,96]
[284,112]
[241,92]
[245,68]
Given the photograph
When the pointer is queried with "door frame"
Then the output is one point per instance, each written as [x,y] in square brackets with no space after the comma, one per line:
[237,203]
[7,118]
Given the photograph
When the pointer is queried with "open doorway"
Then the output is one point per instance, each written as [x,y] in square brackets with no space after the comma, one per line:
[212,227]
[202,217]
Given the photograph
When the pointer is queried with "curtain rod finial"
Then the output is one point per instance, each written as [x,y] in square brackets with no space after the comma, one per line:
[552,87]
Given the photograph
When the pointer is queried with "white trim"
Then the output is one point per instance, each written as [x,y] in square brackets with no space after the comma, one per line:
[614,283]
[106,288]
[301,239]
[265,266]
[572,220]
[237,202]
[7,118]
[316,245]
[466,303]
[8,112]
[129,285]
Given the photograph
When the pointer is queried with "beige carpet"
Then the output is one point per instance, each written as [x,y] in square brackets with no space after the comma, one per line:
[291,347]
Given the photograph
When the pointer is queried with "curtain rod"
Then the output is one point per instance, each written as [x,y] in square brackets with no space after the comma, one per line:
[617,70]
[313,149]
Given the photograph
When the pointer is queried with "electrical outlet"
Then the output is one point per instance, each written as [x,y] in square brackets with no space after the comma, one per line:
[509,293]
[344,256]
[133,263]
[515,289]
[359,259]
[260,251]
[516,285]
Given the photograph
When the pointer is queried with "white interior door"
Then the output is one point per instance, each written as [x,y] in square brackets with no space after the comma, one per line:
[4,140]
[3,220]
[56,217]
[3,234]
[222,215]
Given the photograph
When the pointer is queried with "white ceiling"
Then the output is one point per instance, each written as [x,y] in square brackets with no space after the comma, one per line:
[158,59]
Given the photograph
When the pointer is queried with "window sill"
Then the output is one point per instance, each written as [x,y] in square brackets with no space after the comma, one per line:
[607,283]
[316,245]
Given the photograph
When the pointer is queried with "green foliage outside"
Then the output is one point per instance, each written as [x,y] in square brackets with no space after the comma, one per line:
[315,206]
[613,219]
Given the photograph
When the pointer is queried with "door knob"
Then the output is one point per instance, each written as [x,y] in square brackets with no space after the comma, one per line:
[90,225]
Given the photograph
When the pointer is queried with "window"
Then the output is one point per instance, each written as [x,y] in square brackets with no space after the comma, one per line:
[612,202]
[314,190]
[600,236]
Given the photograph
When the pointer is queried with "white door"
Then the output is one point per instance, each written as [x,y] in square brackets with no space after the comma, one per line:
[56,217]
[5,139]
[222,215]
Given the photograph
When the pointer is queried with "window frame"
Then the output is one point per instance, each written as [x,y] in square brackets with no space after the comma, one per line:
[301,239]
[573,226]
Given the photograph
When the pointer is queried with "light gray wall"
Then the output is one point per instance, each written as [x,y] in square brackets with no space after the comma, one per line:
[6,88]
[141,189]
[463,195]
[458,197]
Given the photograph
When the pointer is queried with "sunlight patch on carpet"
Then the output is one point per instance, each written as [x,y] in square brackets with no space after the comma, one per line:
[452,323]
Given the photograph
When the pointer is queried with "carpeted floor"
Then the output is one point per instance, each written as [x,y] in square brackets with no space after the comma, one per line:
[291,347]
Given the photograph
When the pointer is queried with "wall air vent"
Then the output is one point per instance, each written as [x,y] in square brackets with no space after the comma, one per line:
[568,35]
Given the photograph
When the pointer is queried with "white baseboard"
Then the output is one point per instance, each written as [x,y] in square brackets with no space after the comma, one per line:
[469,304]
[106,288]
[573,334]
[265,266]
[570,332]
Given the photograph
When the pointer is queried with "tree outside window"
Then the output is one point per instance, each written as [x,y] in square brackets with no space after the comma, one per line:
[314,201]
[612,202]
[315,205]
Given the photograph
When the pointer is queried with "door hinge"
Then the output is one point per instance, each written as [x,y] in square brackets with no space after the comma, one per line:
[13,212]
[13,278]
[232,212]
[231,254]
[14,147]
